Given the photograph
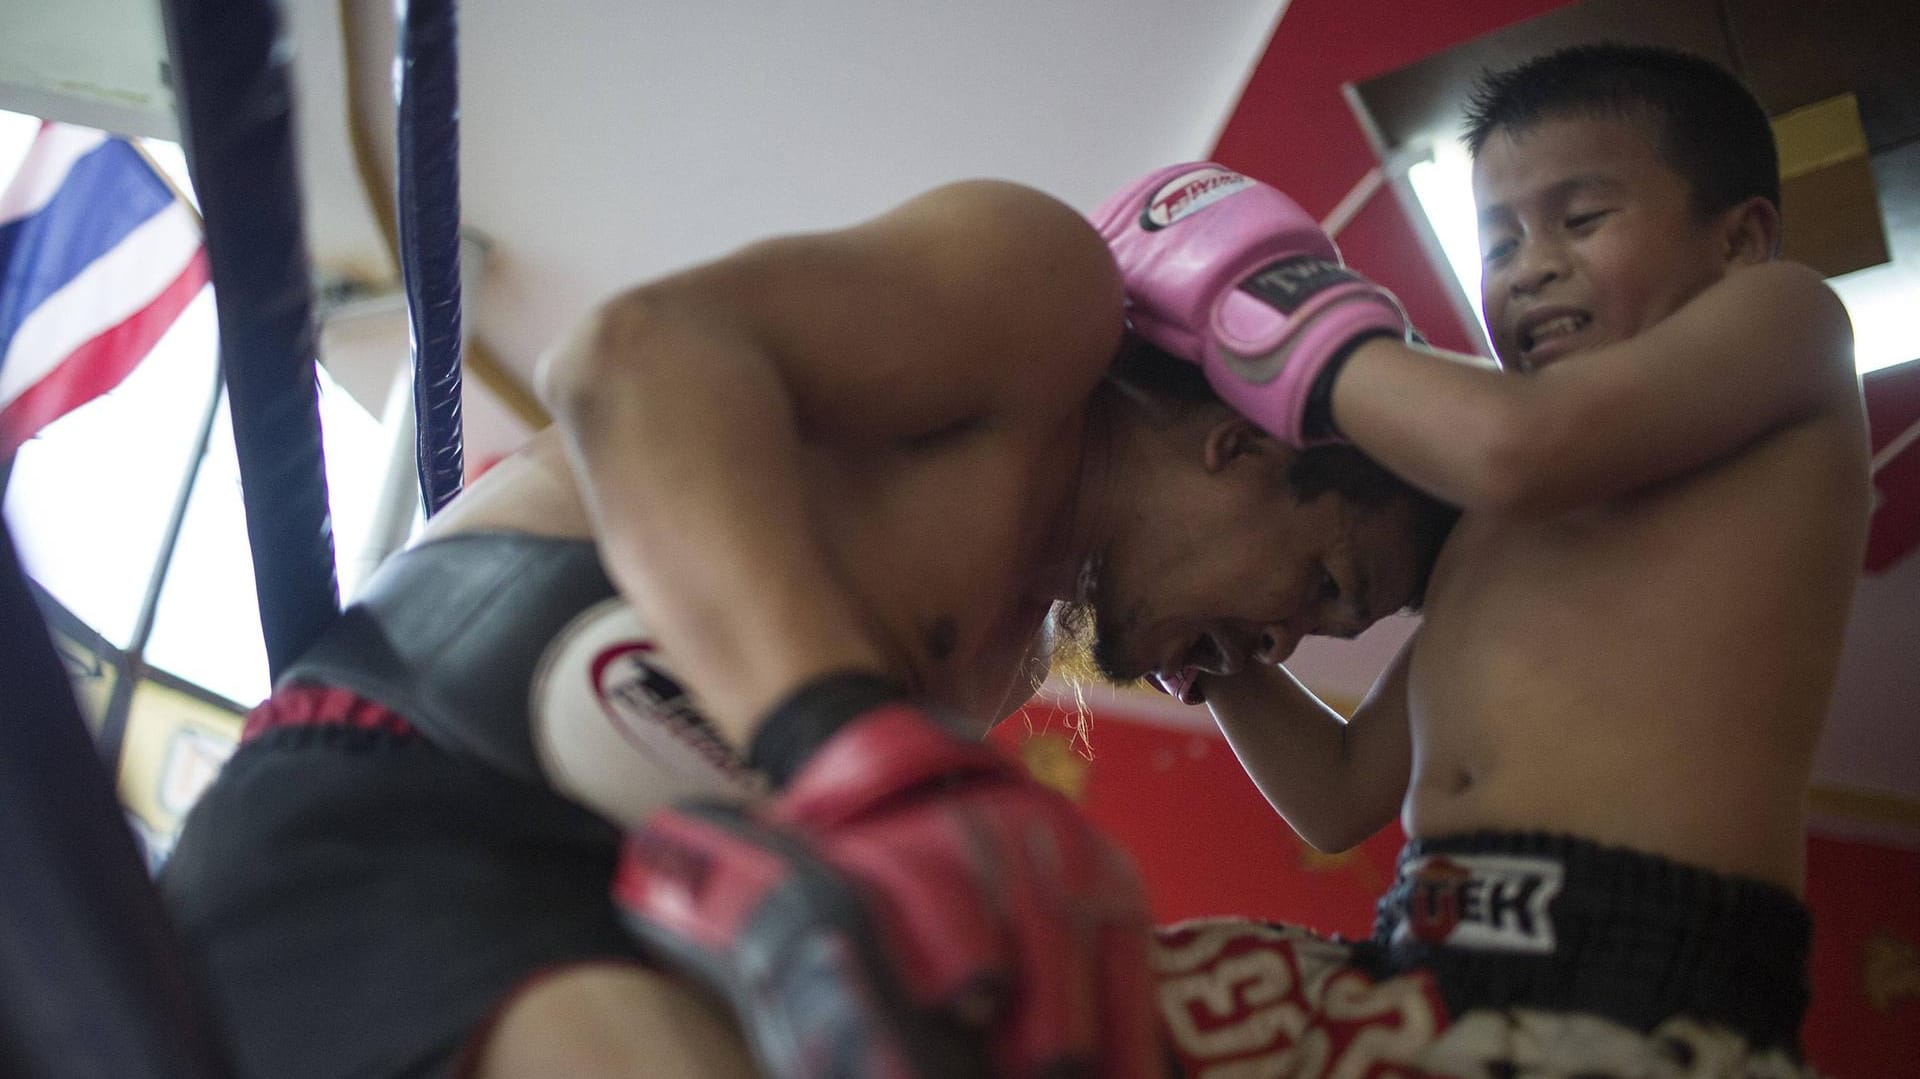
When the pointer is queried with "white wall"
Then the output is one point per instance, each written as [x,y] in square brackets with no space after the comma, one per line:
[93,62]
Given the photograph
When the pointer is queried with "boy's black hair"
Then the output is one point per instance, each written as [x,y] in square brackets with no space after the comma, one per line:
[1711,129]
[1142,369]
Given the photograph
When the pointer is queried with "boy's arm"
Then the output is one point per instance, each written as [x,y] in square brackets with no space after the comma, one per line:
[1336,782]
[1767,346]
[687,405]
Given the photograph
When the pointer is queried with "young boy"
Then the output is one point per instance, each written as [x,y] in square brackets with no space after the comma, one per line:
[1600,738]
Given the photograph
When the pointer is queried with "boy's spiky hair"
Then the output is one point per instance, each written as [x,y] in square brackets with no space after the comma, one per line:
[1711,129]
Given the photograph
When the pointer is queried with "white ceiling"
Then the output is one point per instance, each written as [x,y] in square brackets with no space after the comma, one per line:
[93,62]
[607,141]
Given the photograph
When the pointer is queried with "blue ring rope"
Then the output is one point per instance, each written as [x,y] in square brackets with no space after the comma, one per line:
[84,932]
[429,196]
[235,103]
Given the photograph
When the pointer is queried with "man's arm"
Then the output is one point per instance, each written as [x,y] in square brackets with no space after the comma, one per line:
[687,405]
[1336,782]
[1766,347]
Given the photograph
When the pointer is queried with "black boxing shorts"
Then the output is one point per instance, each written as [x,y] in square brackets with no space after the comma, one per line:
[390,858]
[385,861]
[1499,955]
[360,901]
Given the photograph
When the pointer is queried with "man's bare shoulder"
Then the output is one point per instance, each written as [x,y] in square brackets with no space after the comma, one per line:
[1002,296]
[1024,276]
[973,302]
[999,209]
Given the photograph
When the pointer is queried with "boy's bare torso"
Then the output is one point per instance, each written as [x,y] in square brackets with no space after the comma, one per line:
[1651,672]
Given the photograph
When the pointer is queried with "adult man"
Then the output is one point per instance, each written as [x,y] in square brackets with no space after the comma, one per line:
[818,468]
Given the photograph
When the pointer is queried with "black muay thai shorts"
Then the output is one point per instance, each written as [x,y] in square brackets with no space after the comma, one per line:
[381,865]
[360,902]
[1499,956]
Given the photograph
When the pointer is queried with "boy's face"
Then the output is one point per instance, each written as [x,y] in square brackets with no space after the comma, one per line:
[1586,237]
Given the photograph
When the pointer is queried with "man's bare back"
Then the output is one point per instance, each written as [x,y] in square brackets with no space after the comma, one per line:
[944,542]
[950,543]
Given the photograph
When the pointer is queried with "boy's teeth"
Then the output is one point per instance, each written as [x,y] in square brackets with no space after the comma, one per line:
[1565,324]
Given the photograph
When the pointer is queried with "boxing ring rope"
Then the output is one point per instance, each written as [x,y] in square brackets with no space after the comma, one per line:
[428,185]
[235,100]
[92,978]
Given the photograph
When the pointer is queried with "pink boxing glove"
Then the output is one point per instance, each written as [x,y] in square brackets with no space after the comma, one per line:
[1229,273]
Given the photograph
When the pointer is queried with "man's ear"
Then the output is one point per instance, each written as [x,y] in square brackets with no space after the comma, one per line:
[1752,231]
[1232,438]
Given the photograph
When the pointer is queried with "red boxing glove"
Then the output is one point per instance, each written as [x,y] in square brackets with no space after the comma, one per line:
[911,905]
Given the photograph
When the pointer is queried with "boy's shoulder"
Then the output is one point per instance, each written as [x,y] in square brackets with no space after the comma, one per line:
[1795,300]
[1763,350]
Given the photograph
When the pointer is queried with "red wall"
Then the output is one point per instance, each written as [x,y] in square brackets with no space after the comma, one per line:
[1294,129]
[1183,806]
[1865,1019]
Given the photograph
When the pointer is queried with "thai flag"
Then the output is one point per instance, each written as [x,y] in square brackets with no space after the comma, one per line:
[98,256]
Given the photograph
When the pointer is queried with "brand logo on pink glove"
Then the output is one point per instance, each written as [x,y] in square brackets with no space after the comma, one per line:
[1188,194]
[1291,282]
